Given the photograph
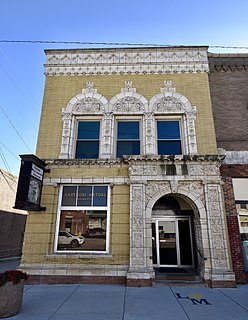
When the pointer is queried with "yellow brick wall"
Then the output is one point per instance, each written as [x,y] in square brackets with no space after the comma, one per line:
[39,235]
[60,89]
[90,171]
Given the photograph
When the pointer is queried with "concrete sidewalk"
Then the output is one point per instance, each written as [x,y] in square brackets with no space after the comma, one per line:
[114,302]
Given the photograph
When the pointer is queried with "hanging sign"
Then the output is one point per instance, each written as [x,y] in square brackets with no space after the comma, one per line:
[30,183]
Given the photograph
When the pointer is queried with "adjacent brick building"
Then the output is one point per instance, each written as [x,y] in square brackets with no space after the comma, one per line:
[134,184]
[228,84]
[12,221]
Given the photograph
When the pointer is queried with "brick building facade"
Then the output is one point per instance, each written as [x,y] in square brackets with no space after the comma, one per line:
[228,86]
[134,181]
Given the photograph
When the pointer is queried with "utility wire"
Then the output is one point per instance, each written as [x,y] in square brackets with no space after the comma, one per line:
[111,43]
[4,160]
[14,128]
[1,171]
[9,150]
[14,83]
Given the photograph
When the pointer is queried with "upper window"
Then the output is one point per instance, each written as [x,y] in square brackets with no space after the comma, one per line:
[128,138]
[88,140]
[169,137]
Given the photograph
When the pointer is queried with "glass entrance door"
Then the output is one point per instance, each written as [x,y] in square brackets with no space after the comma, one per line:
[167,243]
[172,243]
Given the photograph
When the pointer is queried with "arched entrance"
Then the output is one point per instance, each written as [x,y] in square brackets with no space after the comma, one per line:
[173,234]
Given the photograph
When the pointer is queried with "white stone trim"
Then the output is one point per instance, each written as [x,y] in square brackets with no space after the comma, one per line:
[85,270]
[159,60]
[89,102]
[127,103]
[86,180]
[170,102]
[236,157]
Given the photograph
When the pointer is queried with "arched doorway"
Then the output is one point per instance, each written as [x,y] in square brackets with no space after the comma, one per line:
[173,234]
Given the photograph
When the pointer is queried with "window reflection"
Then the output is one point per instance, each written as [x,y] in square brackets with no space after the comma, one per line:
[82,230]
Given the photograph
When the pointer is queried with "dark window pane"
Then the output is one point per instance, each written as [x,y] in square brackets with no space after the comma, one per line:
[128,148]
[185,242]
[88,130]
[100,196]
[84,196]
[169,147]
[69,196]
[128,130]
[87,149]
[168,130]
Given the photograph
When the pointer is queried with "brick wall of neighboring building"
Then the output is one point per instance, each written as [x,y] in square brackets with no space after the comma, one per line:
[228,83]
[8,186]
[12,226]
[228,172]
[228,80]
[12,221]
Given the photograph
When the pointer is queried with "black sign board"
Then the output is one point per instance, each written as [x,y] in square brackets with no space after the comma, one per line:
[30,183]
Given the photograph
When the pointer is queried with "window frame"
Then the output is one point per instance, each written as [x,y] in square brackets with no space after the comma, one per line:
[61,208]
[88,119]
[181,131]
[132,119]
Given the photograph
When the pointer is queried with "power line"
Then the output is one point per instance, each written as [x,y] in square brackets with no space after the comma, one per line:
[14,128]
[14,83]
[110,43]
[4,160]
[9,150]
[1,171]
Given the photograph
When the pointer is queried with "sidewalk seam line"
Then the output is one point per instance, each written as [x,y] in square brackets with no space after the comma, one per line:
[179,303]
[233,300]
[124,304]
[63,302]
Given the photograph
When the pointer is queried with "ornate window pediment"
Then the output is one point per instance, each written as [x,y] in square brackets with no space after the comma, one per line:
[87,102]
[170,101]
[128,103]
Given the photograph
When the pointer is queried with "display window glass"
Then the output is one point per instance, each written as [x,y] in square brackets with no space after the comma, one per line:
[83,219]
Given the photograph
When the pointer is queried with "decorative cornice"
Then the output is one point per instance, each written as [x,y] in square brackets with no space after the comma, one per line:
[130,159]
[82,162]
[163,60]
[175,158]
[228,63]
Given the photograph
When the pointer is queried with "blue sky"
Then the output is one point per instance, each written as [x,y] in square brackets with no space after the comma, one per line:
[174,22]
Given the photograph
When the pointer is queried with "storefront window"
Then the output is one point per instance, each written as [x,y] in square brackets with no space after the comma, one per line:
[83,219]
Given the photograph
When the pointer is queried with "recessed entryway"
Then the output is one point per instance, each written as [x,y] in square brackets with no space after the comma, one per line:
[172,236]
